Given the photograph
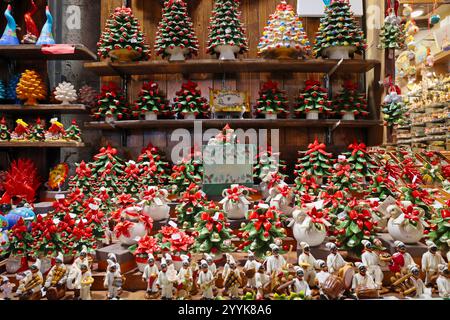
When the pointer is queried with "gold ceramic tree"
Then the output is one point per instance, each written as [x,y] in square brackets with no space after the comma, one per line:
[31,88]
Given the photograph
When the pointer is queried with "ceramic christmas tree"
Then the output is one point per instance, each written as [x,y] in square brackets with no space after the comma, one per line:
[306,184]
[5,135]
[21,131]
[342,176]
[37,132]
[11,88]
[111,104]
[226,33]
[316,162]
[131,179]
[212,232]
[393,108]
[339,35]
[192,203]
[189,101]
[73,132]
[87,96]
[31,88]
[271,101]
[263,227]
[419,197]
[154,169]
[107,168]
[175,37]
[32,30]
[151,102]
[392,35]
[313,101]
[363,164]
[440,227]
[266,162]
[46,36]
[2,90]
[82,180]
[66,93]
[56,131]
[123,39]
[9,37]
[382,187]
[188,171]
[284,36]
[350,103]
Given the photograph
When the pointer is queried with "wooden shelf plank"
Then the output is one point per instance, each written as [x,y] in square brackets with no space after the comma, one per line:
[235,66]
[442,57]
[45,144]
[33,52]
[235,123]
[43,108]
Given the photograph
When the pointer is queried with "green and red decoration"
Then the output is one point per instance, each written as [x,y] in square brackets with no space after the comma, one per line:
[174,240]
[382,186]
[73,132]
[343,176]
[268,161]
[146,245]
[314,98]
[111,104]
[189,100]
[440,227]
[150,99]
[123,38]
[131,179]
[37,132]
[154,169]
[349,100]
[192,203]
[272,100]
[212,233]
[419,197]
[20,240]
[82,180]
[363,164]
[106,169]
[392,35]
[190,170]
[262,229]
[315,162]
[5,135]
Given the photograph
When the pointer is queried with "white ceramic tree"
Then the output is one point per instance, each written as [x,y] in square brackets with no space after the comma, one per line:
[66,93]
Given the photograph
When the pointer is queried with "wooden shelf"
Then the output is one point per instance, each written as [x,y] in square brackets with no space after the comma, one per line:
[33,52]
[234,123]
[30,144]
[442,57]
[43,108]
[235,66]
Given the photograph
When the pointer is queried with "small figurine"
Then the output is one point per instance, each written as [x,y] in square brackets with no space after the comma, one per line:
[372,262]
[430,262]
[401,260]
[30,286]
[250,270]
[416,281]
[334,260]
[46,36]
[9,37]
[206,281]
[275,263]
[6,288]
[362,282]
[262,282]
[55,284]
[66,93]
[308,263]
[75,275]
[83,283]
[113,258]
[149,276]
[299,284]
[169,261]
[233,280]
[21,131]
[211,265]
[56,130]
[5,135]
[32,30]
[113,281]
[185,278]
[443,282]
[322,275]
[165,282]
[37,132]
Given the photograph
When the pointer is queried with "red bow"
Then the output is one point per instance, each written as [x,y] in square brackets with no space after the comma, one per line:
[334,199]
[269,85]
[411,213]
[317,147]
[123,228]
[211,223]
[109,151]
[355,147]
[309,84]
[147,221]
[349,85]
[362,218]
[262,220]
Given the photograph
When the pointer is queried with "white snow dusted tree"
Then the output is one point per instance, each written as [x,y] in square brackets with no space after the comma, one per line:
[66,93]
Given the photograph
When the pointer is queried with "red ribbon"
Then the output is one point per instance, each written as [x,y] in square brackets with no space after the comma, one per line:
[317,147]
[411,213]
[357,147]
[109,151]
[211,223]
[262,219]
[123,228]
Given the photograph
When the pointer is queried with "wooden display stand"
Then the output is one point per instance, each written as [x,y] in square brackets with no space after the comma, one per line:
[124,257]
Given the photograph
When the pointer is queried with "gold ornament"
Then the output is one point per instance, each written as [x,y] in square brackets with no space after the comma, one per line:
[31,88]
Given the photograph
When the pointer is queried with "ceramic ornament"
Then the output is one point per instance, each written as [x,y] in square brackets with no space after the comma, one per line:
[73,132]
[87,96]
[313,100]
[284,36]
[151,102]
[31,88]
[111,104]
[350,103]
[32,30]
[5,135]
[56,131]
[9,37]
[21,131]
[46,36]
[272,101]
[189,102]
[66,93]
[37,132]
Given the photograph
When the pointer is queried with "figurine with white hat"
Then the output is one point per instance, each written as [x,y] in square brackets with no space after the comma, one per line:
[185,276]
[416,281]
[57,276]
[6,288]
[334,260]
[206,281]
[401,260]
[150,275]
[233,280]
[113,281]
[299,284]
[361,280]
[164,282]
[275,263]
[448,252]
[371,260]
[250,265]
[75,270]
[308,263]
[211,265]
[322,275]
[83,283]
[112,256]
[169,261]
[262,280]
[30,286]
[430,262]
[443,281]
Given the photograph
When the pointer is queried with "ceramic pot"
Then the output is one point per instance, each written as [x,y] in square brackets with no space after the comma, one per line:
[348,116]
[157,213]
[150,115]
[177,53]
[110,119]
[137,230]
[307,232]
[339,52]
[189,116]
[312,115]
[271,116]
[235,211]
[227,52]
